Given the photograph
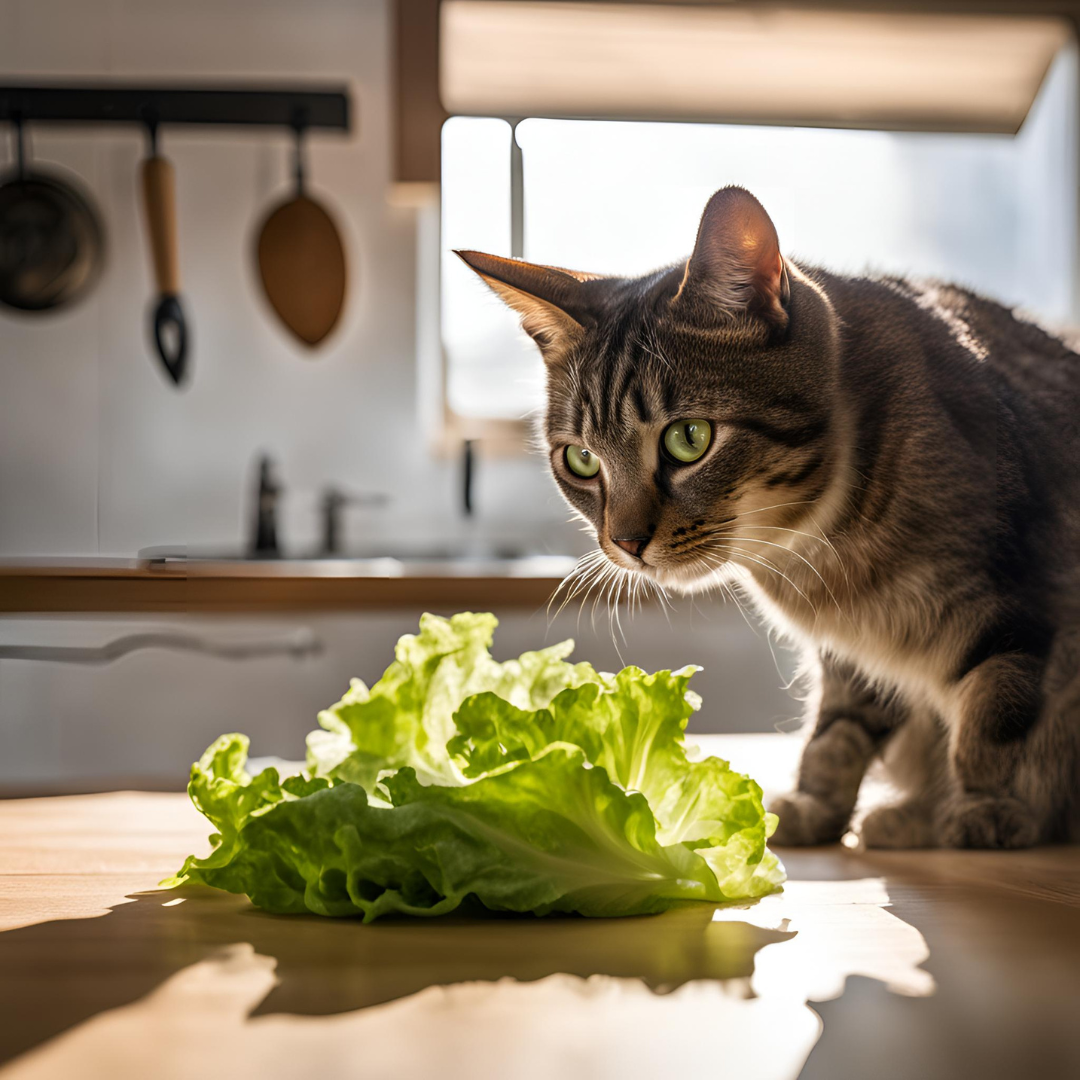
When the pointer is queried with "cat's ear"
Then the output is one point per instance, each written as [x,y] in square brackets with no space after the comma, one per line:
[737,267]
[551,302]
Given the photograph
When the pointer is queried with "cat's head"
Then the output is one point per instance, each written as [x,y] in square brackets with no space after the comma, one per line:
[690,414]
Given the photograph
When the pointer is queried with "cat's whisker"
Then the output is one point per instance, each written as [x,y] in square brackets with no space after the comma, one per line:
[774,506]
[779,573]
[718,581]
[648,590]
[722,528]
[704,538]
[813,569]
[613,610]
[594,572]
[582,586]
[828,589]
[592,577]
[761,561]
[614,582]
[603,581]
[707,543]
[820,538]
[661,594]
[580,573]
[590,583]
[563,585]
[726,586]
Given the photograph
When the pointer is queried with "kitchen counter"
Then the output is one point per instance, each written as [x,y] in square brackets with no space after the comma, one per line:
[263,586]
[900,964]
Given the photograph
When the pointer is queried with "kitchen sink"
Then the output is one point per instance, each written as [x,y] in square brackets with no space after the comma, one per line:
[404,559]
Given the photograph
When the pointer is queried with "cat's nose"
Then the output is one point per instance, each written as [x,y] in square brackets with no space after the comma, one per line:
[635,545]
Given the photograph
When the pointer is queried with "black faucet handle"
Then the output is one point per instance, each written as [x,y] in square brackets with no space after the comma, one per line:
[334,500]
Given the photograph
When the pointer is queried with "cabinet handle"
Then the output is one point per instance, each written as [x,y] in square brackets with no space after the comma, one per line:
[301,644]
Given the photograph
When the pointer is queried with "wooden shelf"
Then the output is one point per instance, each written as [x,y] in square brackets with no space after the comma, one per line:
[117,586]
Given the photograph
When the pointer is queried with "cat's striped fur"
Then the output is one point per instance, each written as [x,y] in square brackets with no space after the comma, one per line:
[894,471]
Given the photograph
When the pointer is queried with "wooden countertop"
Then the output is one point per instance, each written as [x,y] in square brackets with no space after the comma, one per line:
[936,964]
[240,586]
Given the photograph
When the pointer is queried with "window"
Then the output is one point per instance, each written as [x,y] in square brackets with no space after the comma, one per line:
[994,212]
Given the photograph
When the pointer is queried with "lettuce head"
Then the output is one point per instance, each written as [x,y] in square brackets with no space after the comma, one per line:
[535,785]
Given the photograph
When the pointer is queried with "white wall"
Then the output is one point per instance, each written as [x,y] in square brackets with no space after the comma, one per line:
[98,453]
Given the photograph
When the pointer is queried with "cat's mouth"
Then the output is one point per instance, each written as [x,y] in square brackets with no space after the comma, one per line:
[694,570]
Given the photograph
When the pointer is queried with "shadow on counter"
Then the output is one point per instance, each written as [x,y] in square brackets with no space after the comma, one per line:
[331,966]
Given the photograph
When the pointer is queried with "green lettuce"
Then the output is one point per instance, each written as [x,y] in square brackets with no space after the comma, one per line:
[534,785]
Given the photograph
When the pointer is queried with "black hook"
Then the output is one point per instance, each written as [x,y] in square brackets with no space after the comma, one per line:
[20,147]
[299,126]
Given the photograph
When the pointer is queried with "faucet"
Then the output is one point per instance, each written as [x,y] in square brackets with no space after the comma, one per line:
[333,502]
[265,543]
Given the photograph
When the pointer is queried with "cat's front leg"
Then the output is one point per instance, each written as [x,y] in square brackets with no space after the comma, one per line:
[853,720]
[997,703]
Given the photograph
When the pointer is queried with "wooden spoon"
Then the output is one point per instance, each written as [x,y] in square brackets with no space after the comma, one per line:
[302,263]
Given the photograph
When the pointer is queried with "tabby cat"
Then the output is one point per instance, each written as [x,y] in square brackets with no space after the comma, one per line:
[891,468]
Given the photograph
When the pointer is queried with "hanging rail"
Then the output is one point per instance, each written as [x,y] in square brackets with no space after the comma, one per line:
[273,106]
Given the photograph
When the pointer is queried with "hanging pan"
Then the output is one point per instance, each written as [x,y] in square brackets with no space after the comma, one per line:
[51,241]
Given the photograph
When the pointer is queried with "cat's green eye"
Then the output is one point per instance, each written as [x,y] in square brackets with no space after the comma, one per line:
[686,440]
[582,462]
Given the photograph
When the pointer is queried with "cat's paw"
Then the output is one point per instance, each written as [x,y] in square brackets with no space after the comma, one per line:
[986,821]
[805,819]
[901,825]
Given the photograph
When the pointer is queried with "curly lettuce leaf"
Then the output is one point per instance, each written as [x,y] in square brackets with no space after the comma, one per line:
[534,785]
[547,835]
[633,726]
[407,717]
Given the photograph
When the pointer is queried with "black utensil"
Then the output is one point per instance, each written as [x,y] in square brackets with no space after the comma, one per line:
[51,241]
[159,200]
